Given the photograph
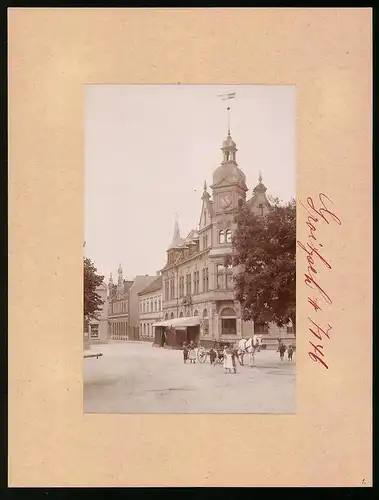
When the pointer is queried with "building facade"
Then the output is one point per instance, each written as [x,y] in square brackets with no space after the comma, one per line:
[98,329]
[150,309]
[118,307]
[139,284]
[196,281]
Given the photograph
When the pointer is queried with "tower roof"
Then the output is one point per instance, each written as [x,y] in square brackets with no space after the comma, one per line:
[260,187]
[228,143]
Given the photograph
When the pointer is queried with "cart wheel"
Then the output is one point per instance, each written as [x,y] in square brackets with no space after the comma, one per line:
[202,355]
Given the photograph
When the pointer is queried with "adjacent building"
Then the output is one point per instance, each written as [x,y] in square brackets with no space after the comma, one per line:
[150,309]
[196,283]
[98,328]
[123,306]
[139,284]
[118,307]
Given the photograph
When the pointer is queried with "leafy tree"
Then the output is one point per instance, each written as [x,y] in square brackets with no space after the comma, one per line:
[92,300]
[265,259]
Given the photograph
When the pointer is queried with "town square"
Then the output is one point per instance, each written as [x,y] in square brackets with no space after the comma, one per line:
[134,377]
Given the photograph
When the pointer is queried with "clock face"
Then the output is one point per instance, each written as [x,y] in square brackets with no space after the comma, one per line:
[225,200]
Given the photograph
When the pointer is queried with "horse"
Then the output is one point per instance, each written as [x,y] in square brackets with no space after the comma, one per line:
[249,346]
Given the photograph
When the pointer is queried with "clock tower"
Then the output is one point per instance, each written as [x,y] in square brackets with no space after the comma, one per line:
[229,182]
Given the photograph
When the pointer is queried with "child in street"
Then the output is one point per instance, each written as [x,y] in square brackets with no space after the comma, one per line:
[212,356]
[228,361]
[282,349]
[192,353]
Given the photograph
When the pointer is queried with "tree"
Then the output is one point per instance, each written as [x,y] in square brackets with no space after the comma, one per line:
[92,301]
[265,259]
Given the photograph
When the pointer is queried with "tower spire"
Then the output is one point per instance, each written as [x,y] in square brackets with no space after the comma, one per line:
[205,192]
[176,237]
[120,277]
[228,110]
[260,176]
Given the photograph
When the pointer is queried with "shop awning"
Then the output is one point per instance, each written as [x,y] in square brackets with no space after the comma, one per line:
[180,323]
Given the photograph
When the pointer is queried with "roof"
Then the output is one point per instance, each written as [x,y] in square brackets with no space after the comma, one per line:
[153,287]
[180,323]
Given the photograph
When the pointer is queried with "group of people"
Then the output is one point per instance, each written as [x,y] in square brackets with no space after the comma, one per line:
[282,348]
[228,356]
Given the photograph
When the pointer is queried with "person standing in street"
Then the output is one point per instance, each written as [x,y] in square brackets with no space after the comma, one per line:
[192,352]
[228,362]
[234,354]
[282,349]
[185,352]
[212,356]
[290,352]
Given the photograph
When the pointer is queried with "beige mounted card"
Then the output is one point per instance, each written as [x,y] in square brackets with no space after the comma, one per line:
[62,65]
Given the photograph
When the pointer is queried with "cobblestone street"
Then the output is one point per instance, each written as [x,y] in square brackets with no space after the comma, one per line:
[134,377]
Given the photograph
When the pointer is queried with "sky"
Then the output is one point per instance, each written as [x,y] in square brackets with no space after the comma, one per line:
[149,149]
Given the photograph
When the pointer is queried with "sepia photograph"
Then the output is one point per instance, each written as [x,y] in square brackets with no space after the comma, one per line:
[189,249]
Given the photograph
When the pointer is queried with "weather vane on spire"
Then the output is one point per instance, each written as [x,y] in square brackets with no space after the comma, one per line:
[227,97]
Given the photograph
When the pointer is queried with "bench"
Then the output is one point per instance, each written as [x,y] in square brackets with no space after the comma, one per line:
[93,355]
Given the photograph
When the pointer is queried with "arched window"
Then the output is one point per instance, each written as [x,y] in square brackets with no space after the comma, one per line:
[181,314]
[172,316]
[221,236]
[166,316]
[228,321]
[228,236]
[196,313]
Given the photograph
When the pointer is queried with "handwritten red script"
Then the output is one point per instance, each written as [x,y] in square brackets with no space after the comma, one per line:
[314,250]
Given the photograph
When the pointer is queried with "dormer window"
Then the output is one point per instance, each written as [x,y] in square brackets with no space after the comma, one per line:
[261,208]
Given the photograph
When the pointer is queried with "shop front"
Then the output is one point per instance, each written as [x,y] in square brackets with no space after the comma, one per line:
[173,332]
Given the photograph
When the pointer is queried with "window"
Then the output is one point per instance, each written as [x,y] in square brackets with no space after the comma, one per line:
[94,331]
[220,276]
[224,276]
[205,280]
[155,305]
[151,305]
[196,282]
[261,209]
[188,284]
[172,316]
[205,241]
[166,290]
[159,305]
[228,236]
[205,322]
[166,317]
[172,288]
[228,322]
[196,313]
[221,236]
[260,328]
[181,314]
[181,286]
